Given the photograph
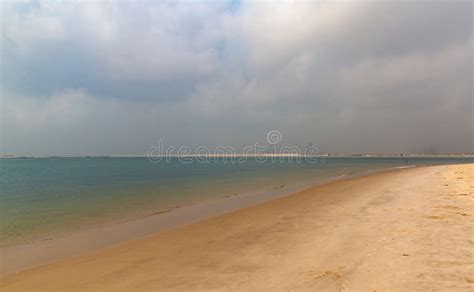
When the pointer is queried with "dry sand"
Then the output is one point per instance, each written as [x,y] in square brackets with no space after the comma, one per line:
[410,229]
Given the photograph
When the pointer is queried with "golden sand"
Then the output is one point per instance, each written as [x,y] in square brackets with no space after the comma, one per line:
[408,229]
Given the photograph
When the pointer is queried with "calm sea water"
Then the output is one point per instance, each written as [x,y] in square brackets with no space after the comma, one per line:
[43,196]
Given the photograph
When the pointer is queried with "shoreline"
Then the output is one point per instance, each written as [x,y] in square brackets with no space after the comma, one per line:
[406,229]
[53,247]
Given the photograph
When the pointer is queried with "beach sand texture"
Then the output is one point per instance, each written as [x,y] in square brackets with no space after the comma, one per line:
[409,229]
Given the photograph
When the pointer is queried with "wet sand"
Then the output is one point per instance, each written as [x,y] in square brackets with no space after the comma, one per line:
[15,258]
[410,229]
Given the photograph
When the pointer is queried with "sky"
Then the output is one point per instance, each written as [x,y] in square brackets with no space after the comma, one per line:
[95,78]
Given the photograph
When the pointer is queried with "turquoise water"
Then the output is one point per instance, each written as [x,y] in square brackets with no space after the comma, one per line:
[43,196]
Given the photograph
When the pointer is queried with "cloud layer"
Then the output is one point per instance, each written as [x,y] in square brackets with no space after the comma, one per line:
[114,77]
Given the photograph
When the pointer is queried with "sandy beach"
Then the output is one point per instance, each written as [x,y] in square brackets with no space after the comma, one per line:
[408,229]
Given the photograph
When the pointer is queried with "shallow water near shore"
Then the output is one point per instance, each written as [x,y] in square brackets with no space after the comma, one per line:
[41,197]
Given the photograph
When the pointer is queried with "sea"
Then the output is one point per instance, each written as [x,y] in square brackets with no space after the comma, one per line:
[41,197]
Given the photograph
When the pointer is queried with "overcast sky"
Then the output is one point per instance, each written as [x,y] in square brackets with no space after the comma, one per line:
[115,77]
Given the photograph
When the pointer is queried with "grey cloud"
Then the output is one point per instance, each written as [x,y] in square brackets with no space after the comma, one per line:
[379,77]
